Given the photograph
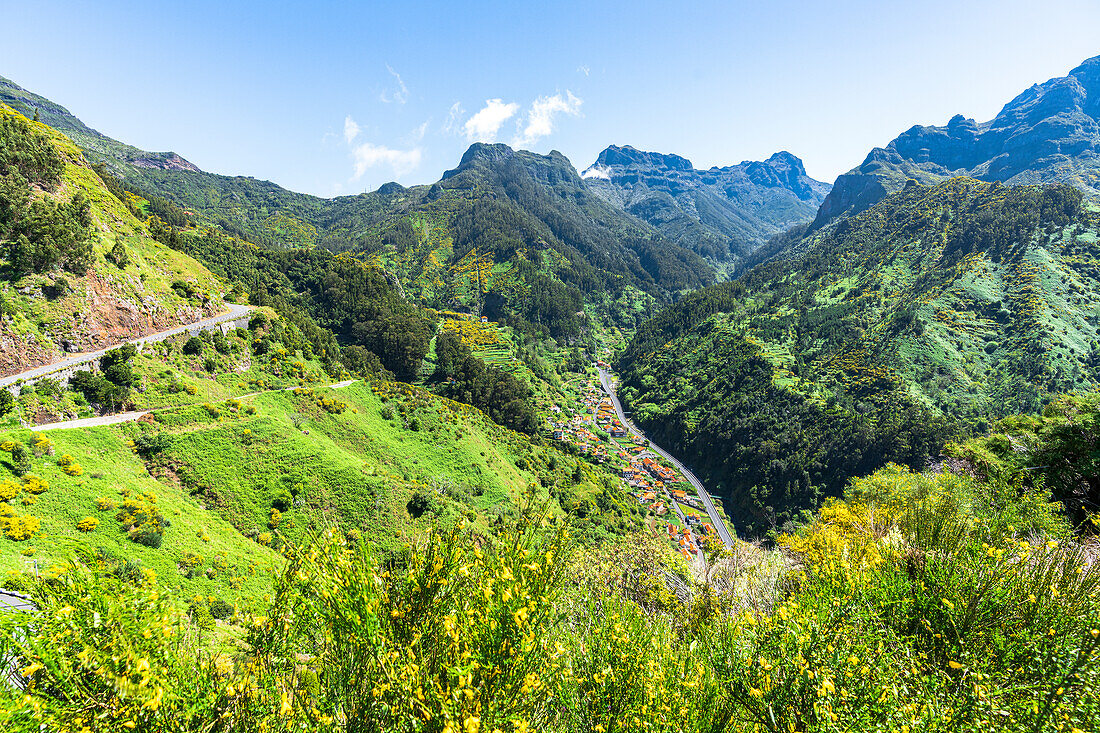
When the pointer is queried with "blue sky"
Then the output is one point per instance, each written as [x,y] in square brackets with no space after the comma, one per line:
[336,98]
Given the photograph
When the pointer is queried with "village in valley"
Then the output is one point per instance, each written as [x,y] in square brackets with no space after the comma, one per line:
[581,415]
[594,430]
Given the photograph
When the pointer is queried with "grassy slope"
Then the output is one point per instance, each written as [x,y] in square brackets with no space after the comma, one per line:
[356,468]
[218,478]
[107,304]
[109,465]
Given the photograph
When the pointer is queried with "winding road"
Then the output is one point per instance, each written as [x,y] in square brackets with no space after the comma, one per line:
[235,311]
[712,511]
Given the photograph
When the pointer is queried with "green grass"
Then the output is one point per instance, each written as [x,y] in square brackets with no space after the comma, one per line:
[110,466]
[355,468]
[226,463]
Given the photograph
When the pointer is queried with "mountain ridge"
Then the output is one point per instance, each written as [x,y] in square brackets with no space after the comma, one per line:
[1049,133]
[722,213]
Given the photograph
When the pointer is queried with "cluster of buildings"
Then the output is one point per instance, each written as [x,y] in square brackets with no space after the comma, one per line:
[651,483]
[577,433]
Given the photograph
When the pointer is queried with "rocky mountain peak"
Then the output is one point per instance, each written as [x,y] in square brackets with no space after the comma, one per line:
[613,155]
[1048,133]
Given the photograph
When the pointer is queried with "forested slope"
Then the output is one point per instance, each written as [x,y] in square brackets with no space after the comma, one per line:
[946,305]
[78,271]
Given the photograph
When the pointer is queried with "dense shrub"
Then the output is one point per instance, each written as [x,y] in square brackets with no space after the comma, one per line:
[193,346]
[151,444]
[220,609]
[142,520]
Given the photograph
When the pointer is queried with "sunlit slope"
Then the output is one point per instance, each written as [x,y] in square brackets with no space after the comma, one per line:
[79,270]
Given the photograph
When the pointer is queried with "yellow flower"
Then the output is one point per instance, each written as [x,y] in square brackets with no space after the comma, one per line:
[954,665]
[472,724]
[28,671]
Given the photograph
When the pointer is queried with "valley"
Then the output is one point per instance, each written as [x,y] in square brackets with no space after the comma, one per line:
[637,446]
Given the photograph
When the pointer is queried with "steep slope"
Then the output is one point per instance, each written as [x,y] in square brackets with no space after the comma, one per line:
[514,235]
[1048,133]
[244,424]
[722,214]
[79,271]
[966,299]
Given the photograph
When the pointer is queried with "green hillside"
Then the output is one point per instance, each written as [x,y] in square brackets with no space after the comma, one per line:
[78,270]
[239,477]
[510,234]
[940,308]
[938,601]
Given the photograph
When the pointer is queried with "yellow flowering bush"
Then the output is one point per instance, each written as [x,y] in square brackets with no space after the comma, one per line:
[842,534]
[87,524]
[69,465]
[9,489]
[19,528]
[34,484]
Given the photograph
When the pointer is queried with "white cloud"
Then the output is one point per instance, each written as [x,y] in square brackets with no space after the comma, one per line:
[484,126]
[450,125]
[351,130]
[401,95]
[540,118]
[418,133]
[369,155]
[583,68]
[597,171]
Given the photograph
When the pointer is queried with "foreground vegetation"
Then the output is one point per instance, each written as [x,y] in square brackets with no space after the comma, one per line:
[942,601]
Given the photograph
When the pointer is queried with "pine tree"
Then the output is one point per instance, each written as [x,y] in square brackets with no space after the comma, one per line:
[36,114]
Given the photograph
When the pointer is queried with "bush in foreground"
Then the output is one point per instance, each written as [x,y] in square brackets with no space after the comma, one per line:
[917,602]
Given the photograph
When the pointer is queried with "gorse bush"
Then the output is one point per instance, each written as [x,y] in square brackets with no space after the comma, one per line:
[142,520]
[916,602]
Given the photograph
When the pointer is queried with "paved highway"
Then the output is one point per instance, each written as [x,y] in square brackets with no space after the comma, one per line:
[715,518]
[235,311]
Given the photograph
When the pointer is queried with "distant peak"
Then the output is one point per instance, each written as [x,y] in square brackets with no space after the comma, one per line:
[391,188]
[1088,67]
[790,160]
[489,152]
[631,156]
[481,154]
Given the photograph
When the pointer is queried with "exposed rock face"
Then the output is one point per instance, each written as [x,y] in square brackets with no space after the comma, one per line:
[97,146]
[1049,133]
[721,213]
[165,161]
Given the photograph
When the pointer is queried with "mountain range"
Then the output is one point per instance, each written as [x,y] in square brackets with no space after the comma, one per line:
[933,293]
[1049,133]
[723,213]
